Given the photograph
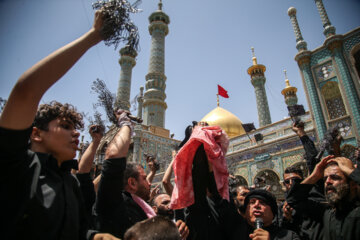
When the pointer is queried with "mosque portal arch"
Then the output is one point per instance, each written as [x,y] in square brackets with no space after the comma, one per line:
[241,180]
[269,179]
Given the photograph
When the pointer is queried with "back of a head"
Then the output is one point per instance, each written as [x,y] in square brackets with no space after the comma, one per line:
[156,228]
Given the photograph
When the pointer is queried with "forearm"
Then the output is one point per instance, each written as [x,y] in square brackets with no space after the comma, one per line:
[119,146]
[310,152]
[150,176]
[87,158]
[311,179]
[111,184]
[166,181]
[31,86]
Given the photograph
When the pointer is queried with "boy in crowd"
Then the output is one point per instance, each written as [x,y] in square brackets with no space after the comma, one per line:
[42,200]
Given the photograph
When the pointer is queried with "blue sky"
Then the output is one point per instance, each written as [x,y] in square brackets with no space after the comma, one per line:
[208,44]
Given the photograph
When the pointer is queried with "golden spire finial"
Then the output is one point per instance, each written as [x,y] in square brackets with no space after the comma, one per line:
[286,79]
[218,103]
[160,5]
[253,56]
[288,88]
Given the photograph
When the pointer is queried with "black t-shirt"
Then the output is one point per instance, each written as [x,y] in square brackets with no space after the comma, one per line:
[40,200]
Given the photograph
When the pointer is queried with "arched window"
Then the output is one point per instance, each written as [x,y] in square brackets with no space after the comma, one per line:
[357,62]
[333,100]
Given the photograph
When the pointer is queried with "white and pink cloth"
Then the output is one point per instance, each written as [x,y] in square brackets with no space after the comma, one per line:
[215,143]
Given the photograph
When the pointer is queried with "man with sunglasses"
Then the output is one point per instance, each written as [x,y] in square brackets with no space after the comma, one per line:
[288,217]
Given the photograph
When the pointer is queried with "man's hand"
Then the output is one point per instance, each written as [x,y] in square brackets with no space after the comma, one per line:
[260,234]
[155,191]
[183,229]
[299,130]
[98,22]
[318,172]
[345,165]
[105,236]
[96,132]
[151,164]
[287,211]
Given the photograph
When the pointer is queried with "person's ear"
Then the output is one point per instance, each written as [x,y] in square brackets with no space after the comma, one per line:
[36,135]
[132,183]
[155,209]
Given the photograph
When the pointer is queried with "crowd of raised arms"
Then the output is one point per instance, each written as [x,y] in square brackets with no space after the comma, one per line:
[46,194]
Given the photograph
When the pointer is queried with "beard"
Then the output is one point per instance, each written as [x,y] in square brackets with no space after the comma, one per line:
[338,195]
[143,193]
[166,213]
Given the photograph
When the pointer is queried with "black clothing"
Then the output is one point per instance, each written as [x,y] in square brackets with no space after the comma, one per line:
[310,152]
[330,223]
[41,200]
[115,209]
[276,233]
[202,218]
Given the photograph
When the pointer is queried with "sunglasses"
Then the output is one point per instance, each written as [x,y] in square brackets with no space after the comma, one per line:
[287,181]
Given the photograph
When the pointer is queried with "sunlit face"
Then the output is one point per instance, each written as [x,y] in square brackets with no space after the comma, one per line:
[61,139]
[257,208]
[336,185]
[162,203]
[289,179]
[142,187]
[241,194]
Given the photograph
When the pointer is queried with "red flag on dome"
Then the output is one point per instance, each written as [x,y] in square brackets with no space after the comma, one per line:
[222,92]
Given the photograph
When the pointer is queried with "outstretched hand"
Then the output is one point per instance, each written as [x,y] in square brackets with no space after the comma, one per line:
[98,22]
[299,130]
[96,132]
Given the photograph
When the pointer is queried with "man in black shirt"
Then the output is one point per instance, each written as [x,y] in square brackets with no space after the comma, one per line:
[341,218]
[40,197]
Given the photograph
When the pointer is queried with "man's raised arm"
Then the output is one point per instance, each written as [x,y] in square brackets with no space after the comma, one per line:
[19,111]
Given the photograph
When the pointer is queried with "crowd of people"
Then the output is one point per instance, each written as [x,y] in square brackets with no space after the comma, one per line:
[48,195]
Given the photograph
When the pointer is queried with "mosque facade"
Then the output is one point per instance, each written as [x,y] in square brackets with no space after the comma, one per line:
[330,75]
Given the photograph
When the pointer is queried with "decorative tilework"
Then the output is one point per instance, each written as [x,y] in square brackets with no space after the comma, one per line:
[351,42]
[242,172]
[314,99]
[324,71]
[290,160]
[351,93]
[320,56]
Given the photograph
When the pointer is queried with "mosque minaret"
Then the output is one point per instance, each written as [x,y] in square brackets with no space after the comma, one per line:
[289,93]
[256,71]
[154,105]
[127,62]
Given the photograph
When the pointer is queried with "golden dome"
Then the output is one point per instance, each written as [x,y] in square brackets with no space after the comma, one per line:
[226,120]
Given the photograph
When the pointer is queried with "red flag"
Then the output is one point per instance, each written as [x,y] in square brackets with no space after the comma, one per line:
[222,92]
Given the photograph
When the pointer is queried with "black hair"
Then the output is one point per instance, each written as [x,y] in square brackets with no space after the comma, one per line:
[131,170]
[156,228]
[54,110]
[294,169]
[188,131]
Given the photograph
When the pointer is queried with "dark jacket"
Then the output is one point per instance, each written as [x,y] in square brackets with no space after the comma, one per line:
[40,200]
[115,209]
[330,223]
